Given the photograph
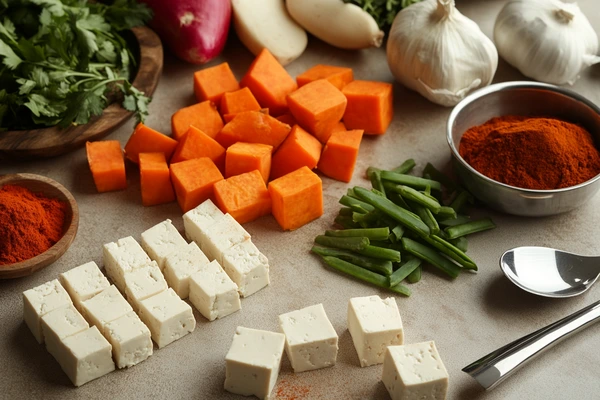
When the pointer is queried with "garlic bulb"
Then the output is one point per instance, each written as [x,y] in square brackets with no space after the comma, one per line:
[435,50]
[546,40]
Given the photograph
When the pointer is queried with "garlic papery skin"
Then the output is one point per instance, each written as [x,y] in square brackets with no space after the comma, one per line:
[547,40]
[435,50]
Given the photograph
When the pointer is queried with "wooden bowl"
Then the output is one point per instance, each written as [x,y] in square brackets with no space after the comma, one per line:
[49,142]
[52,189]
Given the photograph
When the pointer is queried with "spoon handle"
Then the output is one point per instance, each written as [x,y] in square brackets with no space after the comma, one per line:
[495,367]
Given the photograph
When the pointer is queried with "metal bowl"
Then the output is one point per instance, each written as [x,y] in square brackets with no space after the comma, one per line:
[526,99]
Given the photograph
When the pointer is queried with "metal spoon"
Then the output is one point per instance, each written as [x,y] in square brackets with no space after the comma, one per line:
[546,272]
[550,272]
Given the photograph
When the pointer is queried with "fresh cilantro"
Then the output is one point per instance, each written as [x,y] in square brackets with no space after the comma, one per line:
[63,61]
[383,11]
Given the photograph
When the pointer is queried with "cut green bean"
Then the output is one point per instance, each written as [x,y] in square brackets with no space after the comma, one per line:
[367,219]
[374,175]
[431,256]
[380,253]
[461,243]
[446,213]
[345,222]
[406,218]
[415,196]
[348,243]
[460,219]
[405,167]
[439,176]
[383,267]
[398,200]
[364,274]
[405,270]
[427,217]
[386,245]
[371,233]
[468,228]
[415,276]
[451,251]
[345,211]
[460,200]
[410,180]
[356,204]
[397,233]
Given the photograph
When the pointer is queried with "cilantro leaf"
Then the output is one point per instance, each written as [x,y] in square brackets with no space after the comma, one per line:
[11,60]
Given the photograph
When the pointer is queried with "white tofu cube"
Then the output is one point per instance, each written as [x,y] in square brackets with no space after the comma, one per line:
[247,267]
[182,263]
[168,317]
[161,240]
[374,324]
[121,257]
[39,301]
[198,220]
[415,372]
[253,361]
[213,293]
[86,356]
[144,282]
[130,340]
[84,282]
[222,236]
[59,324]
[104,307]
[310,340]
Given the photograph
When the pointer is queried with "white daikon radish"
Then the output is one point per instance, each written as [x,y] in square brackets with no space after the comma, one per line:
[266,24]
[340,24]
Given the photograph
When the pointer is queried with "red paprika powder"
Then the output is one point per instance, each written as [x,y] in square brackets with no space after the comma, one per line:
[29,223]
[531,153]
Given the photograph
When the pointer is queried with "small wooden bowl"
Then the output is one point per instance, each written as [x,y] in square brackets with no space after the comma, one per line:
[50,142]
[52,189]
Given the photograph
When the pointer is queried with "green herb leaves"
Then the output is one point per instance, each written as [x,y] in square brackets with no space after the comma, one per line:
[383,11]
[63,61]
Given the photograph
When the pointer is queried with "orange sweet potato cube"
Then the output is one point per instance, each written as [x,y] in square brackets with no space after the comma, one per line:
[155,179]
[203,116]
[297,198]
[253,127]
[146,140]
[269,82]
[340,154]
[245,197]
[193,181]
[195,144]
[211,83]
[245,157]
[337,76]
[238,101]
[299,149]
[107,165]
[370,106]
[336,128]
[317,106]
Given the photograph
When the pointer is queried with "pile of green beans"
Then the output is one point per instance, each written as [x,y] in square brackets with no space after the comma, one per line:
[403,223]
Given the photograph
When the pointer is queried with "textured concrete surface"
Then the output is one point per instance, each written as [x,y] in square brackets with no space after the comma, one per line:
[467,318]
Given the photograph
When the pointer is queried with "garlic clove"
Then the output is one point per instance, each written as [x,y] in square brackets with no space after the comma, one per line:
[547,40]
[435,50]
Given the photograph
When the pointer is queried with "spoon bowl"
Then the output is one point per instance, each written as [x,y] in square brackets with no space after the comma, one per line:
[549,272]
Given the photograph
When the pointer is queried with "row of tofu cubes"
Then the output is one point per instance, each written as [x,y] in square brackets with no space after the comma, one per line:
[310,342]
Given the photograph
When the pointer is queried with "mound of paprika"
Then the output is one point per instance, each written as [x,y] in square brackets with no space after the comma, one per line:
[29,223]
[531,152]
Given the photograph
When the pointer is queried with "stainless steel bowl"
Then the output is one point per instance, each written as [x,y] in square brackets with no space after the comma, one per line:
[528,99]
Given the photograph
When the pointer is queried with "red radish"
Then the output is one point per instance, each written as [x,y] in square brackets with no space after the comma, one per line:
[195,30]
